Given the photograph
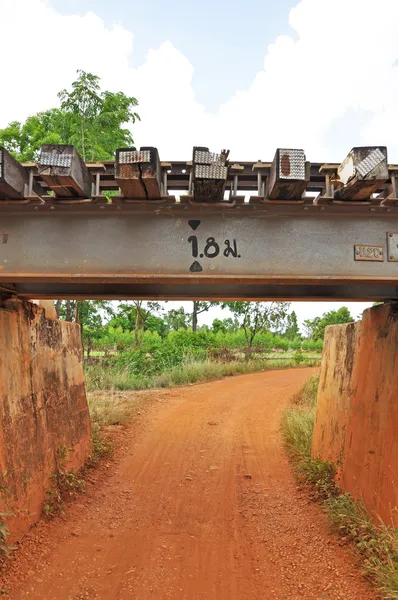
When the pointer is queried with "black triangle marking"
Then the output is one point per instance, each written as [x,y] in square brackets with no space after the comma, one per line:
[194,224]
[195,267]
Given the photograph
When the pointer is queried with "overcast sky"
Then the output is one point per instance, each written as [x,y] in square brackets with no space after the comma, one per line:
[250,76]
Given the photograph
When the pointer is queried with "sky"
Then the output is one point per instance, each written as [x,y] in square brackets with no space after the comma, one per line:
[249,76]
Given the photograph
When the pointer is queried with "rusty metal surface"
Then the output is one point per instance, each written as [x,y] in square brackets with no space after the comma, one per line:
[195,253]
[369,253]
[392,247]
[267,237]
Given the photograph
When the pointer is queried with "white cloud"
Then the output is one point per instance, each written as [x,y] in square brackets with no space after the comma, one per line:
[44,49]
[337,60]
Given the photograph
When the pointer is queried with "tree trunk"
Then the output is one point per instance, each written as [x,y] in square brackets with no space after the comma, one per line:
[58,305]
[195,316]
[69,306]
[89,346]
[83,142]
[77,320]
[77,316]
[137,323]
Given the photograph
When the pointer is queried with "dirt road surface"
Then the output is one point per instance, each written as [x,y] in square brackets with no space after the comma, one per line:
[199,503]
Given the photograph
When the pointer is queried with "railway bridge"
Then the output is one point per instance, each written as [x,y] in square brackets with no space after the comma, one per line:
[209,227]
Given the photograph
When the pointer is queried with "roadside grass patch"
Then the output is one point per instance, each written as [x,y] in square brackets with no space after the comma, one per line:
[376,546]
[109,408]
[66,484]
[190,370]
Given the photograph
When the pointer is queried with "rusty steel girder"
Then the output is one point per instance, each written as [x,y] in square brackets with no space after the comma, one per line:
[182,251]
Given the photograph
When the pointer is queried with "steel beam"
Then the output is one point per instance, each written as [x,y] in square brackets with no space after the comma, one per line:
[271,252]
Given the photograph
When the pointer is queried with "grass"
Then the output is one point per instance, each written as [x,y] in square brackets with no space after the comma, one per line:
[109,408]
[106,409]
[298,426]
[190,371]
[66,484]
[377,546]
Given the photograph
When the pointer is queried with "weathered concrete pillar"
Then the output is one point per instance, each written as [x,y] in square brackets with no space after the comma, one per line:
[357,414]
[49,308]
[43,408]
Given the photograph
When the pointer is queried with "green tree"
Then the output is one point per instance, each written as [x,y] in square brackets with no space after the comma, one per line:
[218,325]
[227,325]
[310,326]
[256,317]
[124,317]
[292,330]
[24,140]
[158,324]
[135,316]
[198,308]
[316,327]
[82,106]
[177,319]
[92,120]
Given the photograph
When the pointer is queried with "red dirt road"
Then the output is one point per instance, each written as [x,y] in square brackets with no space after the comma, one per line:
[198,504]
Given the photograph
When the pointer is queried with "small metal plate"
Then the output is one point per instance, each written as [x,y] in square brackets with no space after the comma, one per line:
[369,253]
[392,247]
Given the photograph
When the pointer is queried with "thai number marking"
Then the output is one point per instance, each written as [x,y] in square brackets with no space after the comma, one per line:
[212,248]
[194,241]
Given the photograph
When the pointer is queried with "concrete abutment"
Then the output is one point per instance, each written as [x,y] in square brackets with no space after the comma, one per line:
[43,408]
[356,423]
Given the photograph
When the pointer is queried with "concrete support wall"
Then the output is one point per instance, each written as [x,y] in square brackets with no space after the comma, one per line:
[43,408]
[357,413]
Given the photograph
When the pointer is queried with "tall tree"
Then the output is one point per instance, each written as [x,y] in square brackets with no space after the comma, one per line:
[177,319]
[292,329]
[317,326]
[134,316]
[93,121]
[83,104]
[198,308]
[310,326]
[254,317]
[225,325]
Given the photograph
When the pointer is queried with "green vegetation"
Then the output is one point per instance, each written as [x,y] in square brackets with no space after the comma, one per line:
[90,119]
[189,371]
[315,328]
[258,317]
[182,357]
[298,426]
[141,345]
[66,485]
[377,546]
